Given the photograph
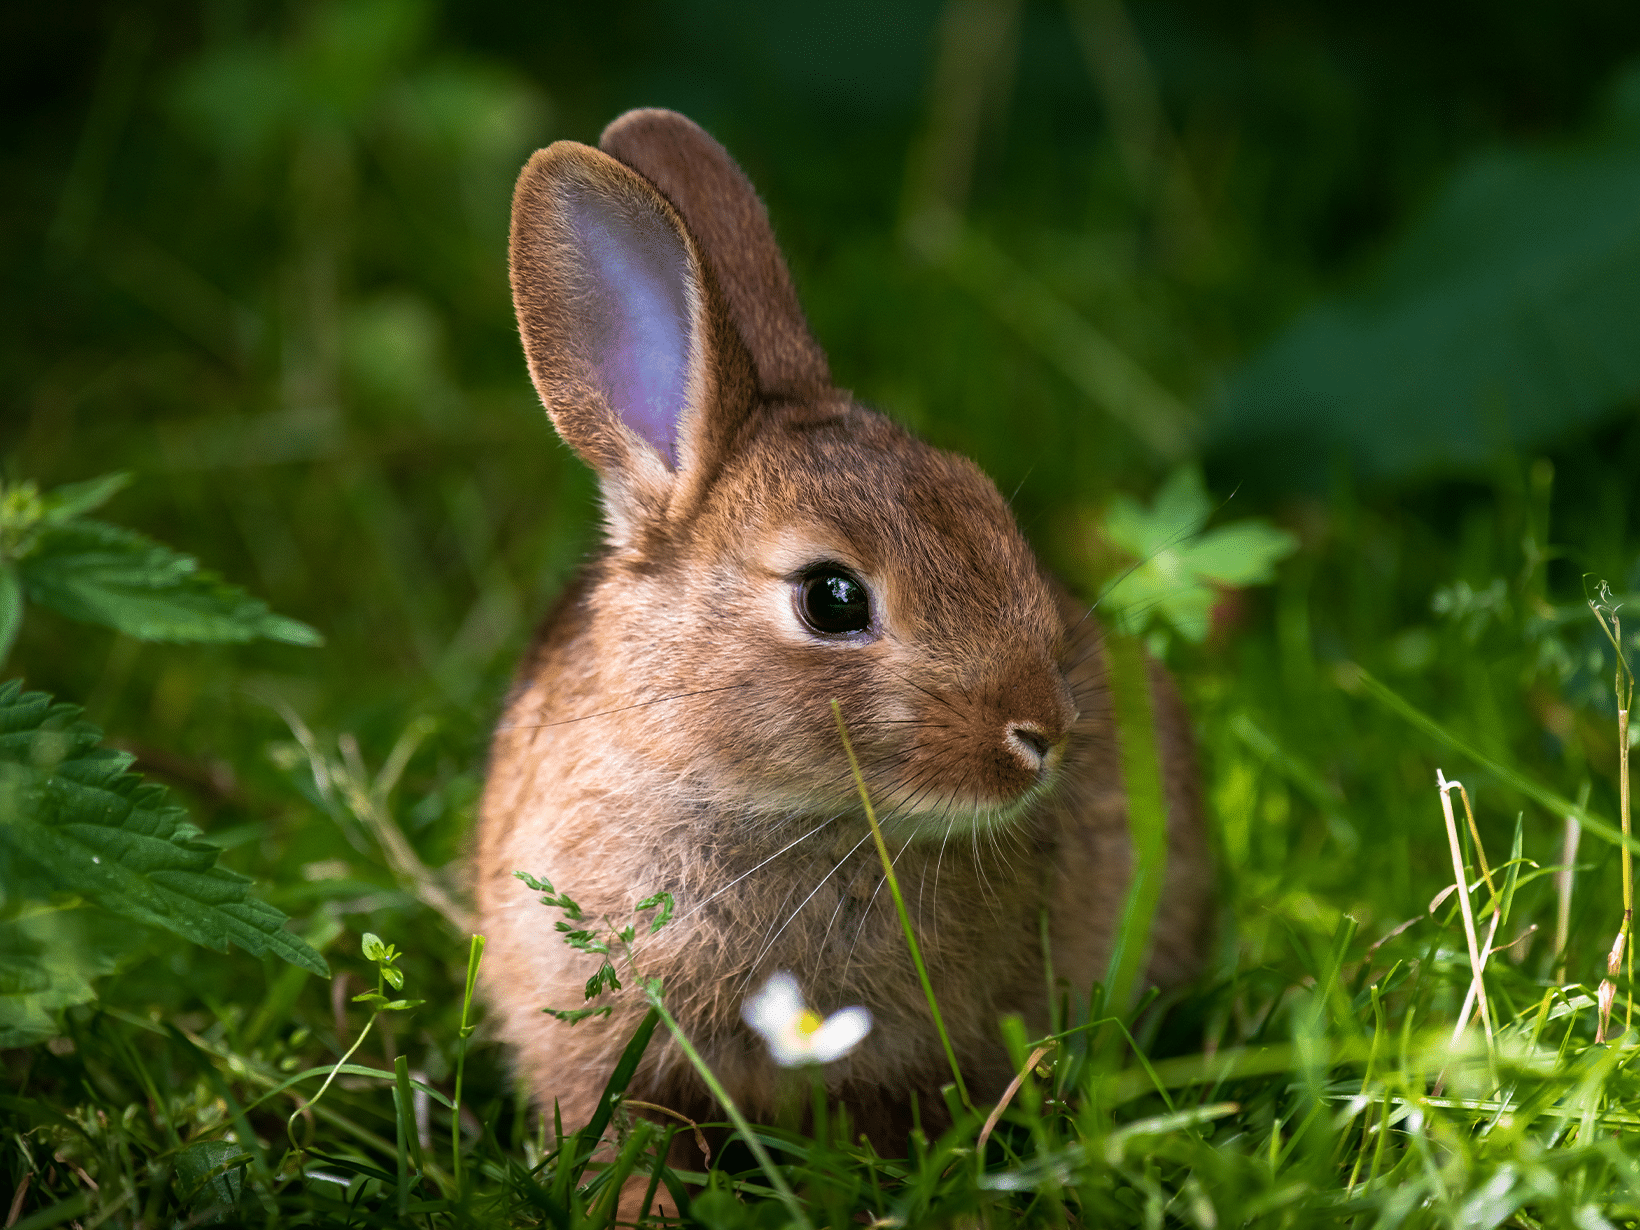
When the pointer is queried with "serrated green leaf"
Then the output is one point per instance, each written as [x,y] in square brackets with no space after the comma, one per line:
[49,960]
[105,574]
[76,499]
[73,821]
[1502,317]
[11,607]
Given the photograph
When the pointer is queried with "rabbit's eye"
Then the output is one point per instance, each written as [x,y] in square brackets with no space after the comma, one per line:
[834,602]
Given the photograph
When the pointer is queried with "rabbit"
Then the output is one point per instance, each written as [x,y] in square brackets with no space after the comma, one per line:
[770,545]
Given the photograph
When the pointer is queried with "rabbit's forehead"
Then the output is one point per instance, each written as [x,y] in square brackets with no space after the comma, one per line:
[927,526]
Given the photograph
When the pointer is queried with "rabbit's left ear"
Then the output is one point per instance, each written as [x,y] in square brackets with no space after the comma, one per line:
[731,230]
[628,343]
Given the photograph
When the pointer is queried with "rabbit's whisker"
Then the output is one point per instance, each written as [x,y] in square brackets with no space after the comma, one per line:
[985,889]
[871,901]
[768,944]
[1182,534]
[939,859]
[701,905]
[863,867]
[917,722]
[932,695]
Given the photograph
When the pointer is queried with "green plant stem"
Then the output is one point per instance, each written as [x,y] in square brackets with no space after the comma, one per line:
[742,1124]
[1476,963]
[1623,686]
[1628,859]
[340,1063]
[1147,814]
[11,608]
[899,904]
[475,953]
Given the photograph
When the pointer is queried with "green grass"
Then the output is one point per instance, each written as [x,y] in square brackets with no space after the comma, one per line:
[1313,1076]
[312,373]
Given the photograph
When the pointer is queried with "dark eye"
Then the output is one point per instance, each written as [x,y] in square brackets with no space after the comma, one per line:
[834,602]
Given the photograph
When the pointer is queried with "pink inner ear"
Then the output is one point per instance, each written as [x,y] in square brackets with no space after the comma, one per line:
[636,316]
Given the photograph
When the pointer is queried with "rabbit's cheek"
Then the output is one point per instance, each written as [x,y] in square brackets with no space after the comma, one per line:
[982,752]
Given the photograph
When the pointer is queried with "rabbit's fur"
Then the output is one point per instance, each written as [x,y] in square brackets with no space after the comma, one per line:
[671,728]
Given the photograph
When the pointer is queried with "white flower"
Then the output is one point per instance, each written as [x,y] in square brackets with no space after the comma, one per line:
[796,1033]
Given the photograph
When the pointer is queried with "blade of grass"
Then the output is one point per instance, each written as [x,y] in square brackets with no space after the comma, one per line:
[899,905]
[1565,880]
[475,954]
[776,1180]
[1147,813]
[1353,678]
[578,1149]
[404,1129]
[1475,962]
[625,1162]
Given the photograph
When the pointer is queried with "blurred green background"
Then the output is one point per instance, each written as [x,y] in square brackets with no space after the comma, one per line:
[1376,267]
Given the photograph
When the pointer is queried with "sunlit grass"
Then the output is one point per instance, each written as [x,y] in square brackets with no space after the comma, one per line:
[290,321]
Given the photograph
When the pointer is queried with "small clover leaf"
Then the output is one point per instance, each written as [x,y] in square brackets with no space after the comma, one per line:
[1179,565]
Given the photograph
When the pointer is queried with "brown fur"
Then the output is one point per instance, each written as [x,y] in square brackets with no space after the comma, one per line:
[671,728]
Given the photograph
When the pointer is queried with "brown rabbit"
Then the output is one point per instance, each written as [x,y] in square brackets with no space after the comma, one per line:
[772,545]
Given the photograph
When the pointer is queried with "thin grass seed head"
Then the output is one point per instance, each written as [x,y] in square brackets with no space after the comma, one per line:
[795,1033]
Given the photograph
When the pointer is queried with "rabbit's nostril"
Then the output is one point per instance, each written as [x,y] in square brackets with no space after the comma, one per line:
[1033,739]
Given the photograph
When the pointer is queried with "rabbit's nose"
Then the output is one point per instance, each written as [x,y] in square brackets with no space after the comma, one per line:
[1031,744]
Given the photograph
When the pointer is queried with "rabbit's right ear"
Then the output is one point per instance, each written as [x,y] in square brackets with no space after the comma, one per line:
[627,346]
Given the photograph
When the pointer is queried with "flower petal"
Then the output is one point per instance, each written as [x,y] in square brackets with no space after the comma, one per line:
[789,1048]
[776,1007]
[842,1032]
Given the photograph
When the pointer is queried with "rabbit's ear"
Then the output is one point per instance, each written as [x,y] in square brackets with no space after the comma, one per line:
[626,341]
[725,217]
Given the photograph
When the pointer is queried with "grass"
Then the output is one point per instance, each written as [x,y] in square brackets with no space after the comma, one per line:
[1319,1074]
[313,374]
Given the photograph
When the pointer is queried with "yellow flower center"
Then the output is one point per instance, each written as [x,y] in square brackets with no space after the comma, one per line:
[808,1022]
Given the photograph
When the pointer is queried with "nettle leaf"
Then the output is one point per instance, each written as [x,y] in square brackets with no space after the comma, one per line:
[1501,318]
[74,822]
[105,574]
[11,606]
[1179,569]
[49,959]
[64,503]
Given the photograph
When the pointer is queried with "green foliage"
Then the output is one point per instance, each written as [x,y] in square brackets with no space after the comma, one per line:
[257,255]
[75,826]
[1178,566]
[385,958]
[78,830]
[53,555]
[1503,316]
[604,940]
[50,958]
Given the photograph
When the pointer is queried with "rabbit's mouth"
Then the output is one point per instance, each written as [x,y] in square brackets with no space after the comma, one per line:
[925,820]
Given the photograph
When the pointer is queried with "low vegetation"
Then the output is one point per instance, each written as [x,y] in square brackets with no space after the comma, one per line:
[236,965]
